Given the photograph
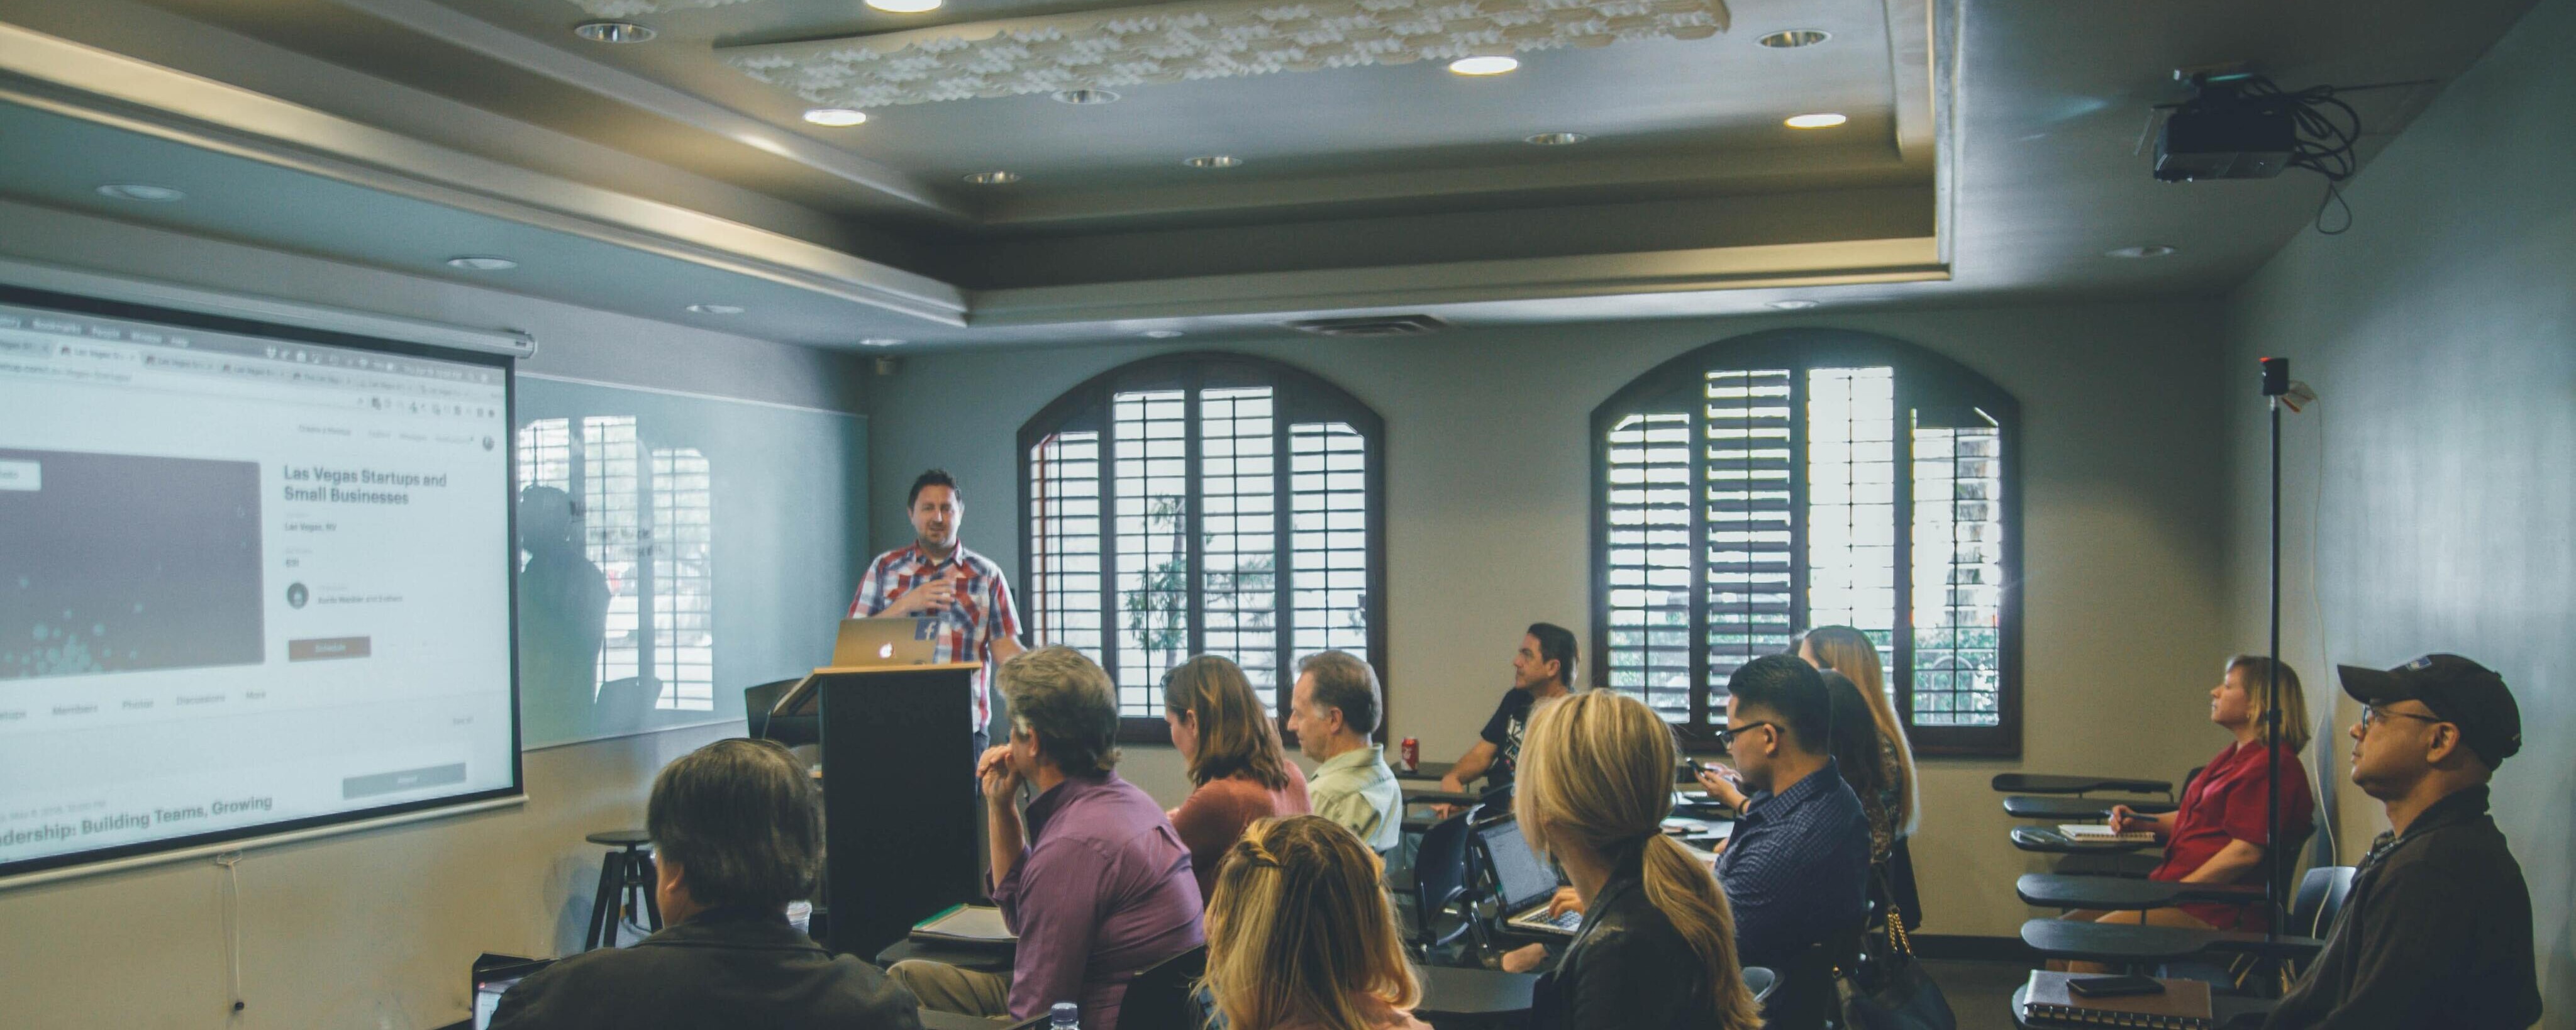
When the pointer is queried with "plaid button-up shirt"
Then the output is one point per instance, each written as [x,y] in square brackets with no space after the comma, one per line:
[983,611]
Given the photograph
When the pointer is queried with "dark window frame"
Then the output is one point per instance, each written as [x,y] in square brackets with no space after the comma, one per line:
[1298,396]
[1923,379]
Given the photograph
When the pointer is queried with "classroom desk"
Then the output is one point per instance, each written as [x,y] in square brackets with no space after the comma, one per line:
[2051,890]
[1432,771]
[2041,783]
[2060,808]
[2048,841]
[2134,945]
[996,959]
[2222,1007]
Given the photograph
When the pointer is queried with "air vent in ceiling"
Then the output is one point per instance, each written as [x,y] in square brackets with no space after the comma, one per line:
[1371,325]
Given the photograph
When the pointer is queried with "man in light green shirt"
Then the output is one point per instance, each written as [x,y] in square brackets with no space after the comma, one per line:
[1333,711]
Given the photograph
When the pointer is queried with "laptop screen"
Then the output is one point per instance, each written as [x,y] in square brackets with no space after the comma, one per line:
[1524,879]
[492,981]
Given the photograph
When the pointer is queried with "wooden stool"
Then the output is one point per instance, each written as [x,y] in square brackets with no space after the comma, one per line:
[625,876]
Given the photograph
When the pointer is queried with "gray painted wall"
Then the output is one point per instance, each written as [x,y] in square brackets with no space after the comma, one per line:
[372,931]
[1488,477]
[2428,496]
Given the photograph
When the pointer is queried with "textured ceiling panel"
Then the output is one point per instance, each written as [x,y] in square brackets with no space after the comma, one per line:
[1194,39]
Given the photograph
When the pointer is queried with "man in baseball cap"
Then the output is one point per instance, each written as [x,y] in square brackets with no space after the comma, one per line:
[2437,930]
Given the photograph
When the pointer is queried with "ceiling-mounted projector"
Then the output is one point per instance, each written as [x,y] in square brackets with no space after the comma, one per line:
[2226,132]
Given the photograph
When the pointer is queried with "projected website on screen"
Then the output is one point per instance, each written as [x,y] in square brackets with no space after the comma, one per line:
[247,584]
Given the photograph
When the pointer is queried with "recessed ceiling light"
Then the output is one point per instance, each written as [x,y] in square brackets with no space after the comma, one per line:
[715,309]
[993,178]
[904,6]
[1793,305]
[1085,96]
[1814,121]
[1161,334]
[1213,161]
[1484,65]
[482,264]
[880,341]
[836,117]
[1794,38]
[1556,139]
[613,32]
[139,191]
[2143,250]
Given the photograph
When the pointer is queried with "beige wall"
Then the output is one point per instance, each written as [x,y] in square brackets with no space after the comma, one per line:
[2427,496]
[1488,472]
[372,931]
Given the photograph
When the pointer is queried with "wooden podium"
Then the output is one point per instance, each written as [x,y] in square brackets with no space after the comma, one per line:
[899,796]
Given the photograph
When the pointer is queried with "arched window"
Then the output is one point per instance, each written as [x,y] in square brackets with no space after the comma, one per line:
[1204,504]
[1760,486]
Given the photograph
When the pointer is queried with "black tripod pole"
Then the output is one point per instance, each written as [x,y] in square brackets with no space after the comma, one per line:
[2276,381]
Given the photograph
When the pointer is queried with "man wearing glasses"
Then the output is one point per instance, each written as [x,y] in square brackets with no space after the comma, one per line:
[1796,868]
[2437,931]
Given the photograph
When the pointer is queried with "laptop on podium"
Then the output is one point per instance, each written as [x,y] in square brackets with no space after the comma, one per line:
[869,644]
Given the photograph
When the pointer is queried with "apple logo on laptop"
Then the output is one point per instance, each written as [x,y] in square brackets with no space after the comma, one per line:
[885,650]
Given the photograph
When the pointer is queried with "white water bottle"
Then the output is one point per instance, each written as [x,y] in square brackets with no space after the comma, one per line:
[1064,1016]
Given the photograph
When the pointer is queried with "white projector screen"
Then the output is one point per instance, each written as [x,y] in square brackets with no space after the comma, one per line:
[253,580]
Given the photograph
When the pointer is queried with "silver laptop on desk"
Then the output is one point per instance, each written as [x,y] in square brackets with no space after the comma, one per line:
[901,640]
[1524,882]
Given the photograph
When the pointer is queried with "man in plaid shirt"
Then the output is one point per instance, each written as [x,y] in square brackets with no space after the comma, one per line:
[935,577]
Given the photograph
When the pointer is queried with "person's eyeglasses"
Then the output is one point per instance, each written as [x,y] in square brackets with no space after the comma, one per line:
[2373,714]
[1726,737]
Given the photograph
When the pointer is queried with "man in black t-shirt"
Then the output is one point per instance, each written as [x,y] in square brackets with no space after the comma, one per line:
[1542,670]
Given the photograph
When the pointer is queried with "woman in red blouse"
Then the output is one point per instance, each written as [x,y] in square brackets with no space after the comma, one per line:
[2219,834]
[1238,769]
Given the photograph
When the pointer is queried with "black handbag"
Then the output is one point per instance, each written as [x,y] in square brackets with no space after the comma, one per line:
[1887,989]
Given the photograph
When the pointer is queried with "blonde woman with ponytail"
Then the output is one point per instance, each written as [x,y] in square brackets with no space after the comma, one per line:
[1301,937]
[1657,944]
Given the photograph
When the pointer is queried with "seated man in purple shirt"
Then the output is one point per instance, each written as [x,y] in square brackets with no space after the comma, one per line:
[1097,885]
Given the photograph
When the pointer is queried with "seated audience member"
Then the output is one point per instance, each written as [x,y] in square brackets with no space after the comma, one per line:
[1850,652]
[1240,771]
[1542,670]
[1852,741]
[1301,936]
[2437,930]
[2219,834]
[1093,879]
[1657,947]
[737,835]
[1796,867]
[1333,709]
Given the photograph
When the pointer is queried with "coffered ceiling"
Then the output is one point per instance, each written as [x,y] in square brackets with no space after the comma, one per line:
[1987,146]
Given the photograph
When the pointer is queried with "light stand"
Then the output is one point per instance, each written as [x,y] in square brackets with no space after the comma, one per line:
[2276,382]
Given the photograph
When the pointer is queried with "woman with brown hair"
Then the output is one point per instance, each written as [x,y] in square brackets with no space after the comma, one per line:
[1657,944]
[1302,937]
[1850,652]
[1240,771]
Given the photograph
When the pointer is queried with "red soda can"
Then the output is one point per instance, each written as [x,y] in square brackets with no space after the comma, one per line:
[1412,755]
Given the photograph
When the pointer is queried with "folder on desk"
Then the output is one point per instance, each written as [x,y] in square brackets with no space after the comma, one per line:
[965,924]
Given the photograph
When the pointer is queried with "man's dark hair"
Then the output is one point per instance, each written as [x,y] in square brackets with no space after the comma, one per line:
[1788,688]
[740,819]
[926,480]
[1068,704]
[1344,682]
[1556,644]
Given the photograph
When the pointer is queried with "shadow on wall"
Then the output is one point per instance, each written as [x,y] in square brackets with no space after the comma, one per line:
[2558,961]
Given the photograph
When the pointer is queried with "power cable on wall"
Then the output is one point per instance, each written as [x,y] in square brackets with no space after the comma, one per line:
[228,900]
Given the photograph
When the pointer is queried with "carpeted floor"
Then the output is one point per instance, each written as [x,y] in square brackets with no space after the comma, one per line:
[1980,993]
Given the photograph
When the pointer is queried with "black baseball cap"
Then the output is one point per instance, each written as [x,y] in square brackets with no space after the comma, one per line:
[2459,691]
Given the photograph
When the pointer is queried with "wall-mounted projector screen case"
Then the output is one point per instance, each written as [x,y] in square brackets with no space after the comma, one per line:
[256,582]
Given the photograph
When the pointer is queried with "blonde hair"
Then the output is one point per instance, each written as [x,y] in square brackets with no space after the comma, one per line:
[1298,929]
[2294,699]
[1596,772]
[1235,732]
[1850,652]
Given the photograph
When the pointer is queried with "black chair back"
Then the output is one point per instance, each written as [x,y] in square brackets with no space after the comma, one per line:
[1802,993]
[790,730]
[1439,878]
[1163,997]
[2321,896]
